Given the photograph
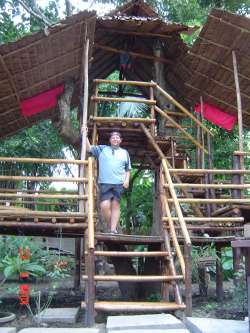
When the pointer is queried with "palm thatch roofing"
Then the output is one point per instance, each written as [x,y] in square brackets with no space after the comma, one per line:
[42,61]
[39,62]
[207,68]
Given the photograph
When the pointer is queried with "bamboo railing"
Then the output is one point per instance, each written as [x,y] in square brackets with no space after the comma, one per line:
[21,204]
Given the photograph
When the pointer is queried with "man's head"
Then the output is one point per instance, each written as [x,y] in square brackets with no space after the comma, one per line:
[115,139]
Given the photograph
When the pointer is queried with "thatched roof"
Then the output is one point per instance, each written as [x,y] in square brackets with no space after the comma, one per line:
[207,69]
[37,63]
[40,62]
[135,26]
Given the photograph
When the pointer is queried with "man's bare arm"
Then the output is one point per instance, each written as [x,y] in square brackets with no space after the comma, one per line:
[126,180]
[85,132]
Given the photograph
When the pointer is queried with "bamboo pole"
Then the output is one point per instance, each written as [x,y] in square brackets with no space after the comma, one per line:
[94,133]
[91,231]
[132,254]
[207,219]
[239,103]
[242,153]
[135,278]
[213,186]
[44,179]
[124,100]
[133,54]
[182,108]
[172,266]
[172,231]
[23,212]
[124,82]
[44,196]
[176,203]
[189,136]
[152,110]
[40,225]
[219,201]
[137,33]
[41,160]
[117,119]
[214,171]
[188,279]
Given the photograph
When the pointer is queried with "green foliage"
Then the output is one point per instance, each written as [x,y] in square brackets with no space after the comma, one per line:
[197,253]
[40,264]
[137,204]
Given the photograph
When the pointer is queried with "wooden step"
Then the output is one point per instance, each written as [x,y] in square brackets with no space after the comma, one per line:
[132,254]
[124,82]
[136,278]
[122,120]
[120,99]
[136,306]
[128,239]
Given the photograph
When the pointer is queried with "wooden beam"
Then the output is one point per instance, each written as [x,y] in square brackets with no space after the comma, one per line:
[137,33]
[133,54]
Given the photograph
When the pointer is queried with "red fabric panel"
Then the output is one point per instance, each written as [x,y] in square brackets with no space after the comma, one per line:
[217,116]
[41,102]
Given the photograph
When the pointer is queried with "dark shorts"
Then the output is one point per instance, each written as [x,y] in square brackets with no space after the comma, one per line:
[111,191]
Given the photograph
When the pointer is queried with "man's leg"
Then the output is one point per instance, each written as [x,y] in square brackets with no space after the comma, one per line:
[115,214]
[106,211]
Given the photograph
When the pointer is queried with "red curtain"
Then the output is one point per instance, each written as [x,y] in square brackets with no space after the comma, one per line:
[41,102]
[217,116]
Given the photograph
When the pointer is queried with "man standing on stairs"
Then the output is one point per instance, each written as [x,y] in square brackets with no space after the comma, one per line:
[114,174]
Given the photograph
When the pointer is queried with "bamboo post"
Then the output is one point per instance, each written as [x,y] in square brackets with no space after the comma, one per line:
[239,103]
[219,274]
[91,238]
[210,166]
[236,263]
[198,150]
[152,110]
[84,111]
[94,134]
[236,178]
[208,207]
[188,279]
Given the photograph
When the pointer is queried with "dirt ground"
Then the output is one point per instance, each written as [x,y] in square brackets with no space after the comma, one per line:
[66,296]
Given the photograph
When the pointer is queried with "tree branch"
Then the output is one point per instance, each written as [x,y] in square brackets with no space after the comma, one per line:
[68,7]
[36,13]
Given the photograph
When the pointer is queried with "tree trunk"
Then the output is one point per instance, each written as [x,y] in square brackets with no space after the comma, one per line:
[67,132]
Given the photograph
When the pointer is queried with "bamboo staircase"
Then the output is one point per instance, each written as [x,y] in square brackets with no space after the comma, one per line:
[173,192]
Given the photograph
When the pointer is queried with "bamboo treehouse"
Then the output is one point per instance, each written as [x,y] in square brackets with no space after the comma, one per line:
[193,203]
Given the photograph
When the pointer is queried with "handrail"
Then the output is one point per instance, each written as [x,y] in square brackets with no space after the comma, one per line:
[176,203]
[213,171]
[182,108]
[171,226]
[242,153]
[41,160]
[188,136]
